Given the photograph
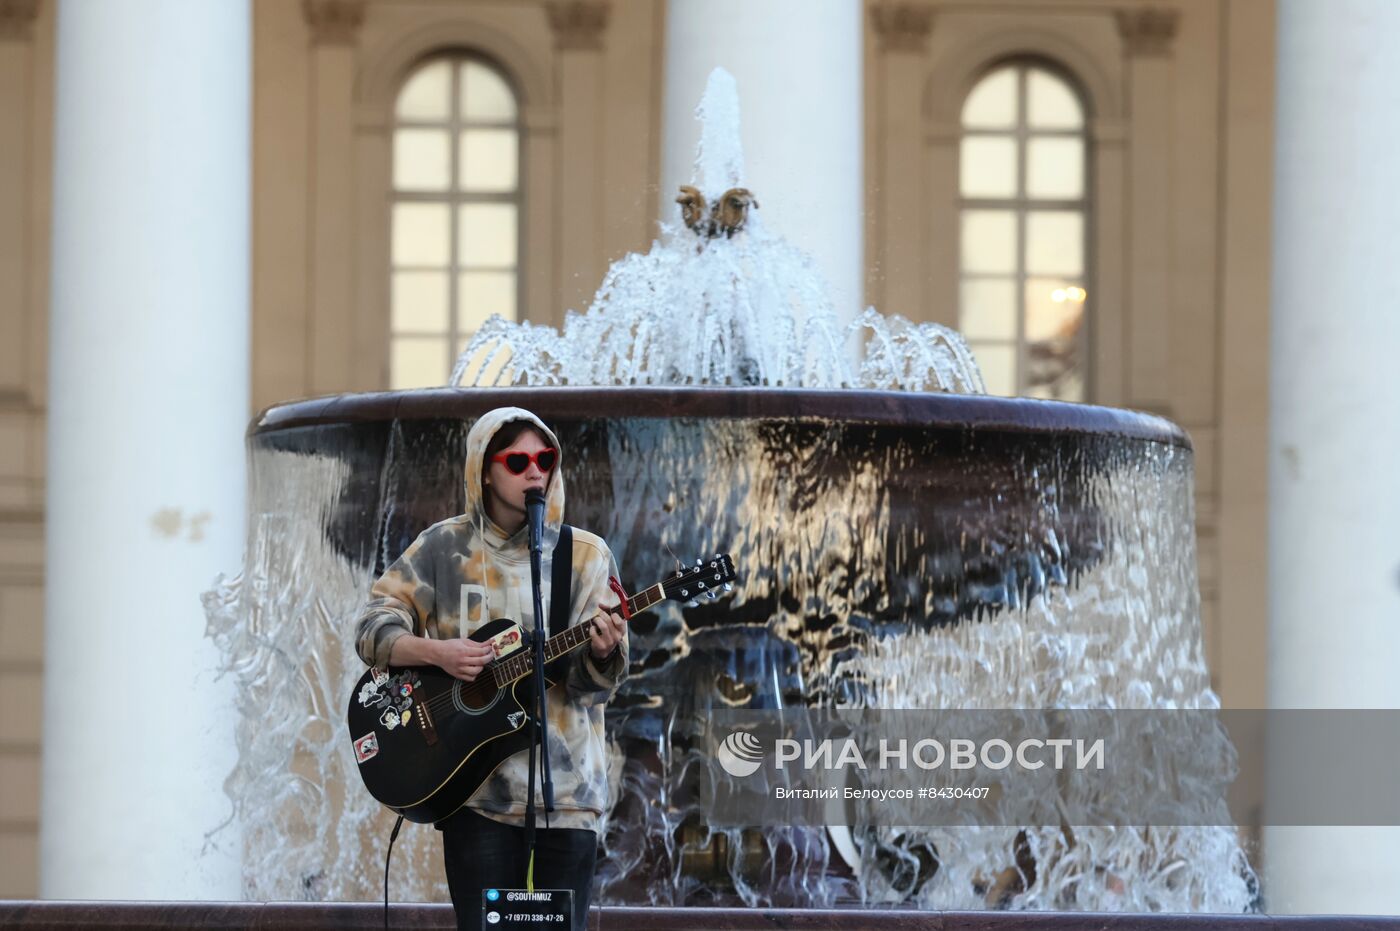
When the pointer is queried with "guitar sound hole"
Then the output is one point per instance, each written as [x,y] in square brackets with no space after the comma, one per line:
[475,697]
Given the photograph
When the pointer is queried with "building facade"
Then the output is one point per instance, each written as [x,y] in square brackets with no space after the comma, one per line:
[1083,186]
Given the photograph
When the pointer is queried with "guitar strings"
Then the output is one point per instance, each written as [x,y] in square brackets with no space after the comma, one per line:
[445,702]
[516,667]
[476,693]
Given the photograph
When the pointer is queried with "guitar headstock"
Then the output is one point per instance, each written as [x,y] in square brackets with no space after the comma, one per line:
[707,577]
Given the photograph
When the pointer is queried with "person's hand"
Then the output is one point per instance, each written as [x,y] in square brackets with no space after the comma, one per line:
[464,658]
[606,631]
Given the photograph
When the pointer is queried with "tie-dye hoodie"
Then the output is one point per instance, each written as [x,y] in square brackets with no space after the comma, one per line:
[465,571]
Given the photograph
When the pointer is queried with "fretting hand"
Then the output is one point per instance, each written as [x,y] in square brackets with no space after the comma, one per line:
[606,632]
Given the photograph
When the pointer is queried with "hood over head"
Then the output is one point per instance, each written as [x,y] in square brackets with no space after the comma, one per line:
[479,437]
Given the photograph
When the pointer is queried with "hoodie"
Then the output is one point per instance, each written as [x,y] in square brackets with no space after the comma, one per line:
[466,571]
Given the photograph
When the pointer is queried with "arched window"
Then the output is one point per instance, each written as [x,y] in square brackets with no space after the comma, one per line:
[1023,181]
[455,214]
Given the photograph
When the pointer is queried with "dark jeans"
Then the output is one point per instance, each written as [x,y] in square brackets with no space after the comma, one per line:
[483,854]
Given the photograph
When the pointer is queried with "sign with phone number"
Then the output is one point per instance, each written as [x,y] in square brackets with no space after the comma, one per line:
[540,908]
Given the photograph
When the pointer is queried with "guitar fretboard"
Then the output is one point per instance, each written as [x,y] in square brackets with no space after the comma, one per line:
[519,664]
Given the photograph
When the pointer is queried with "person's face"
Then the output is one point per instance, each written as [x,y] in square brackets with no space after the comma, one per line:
[507,489]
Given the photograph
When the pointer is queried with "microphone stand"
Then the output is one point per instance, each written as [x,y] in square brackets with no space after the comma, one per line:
[539,718]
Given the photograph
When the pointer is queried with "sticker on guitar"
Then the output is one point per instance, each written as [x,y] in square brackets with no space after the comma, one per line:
[392,693]
[366,748]
[506,642]
[369,692]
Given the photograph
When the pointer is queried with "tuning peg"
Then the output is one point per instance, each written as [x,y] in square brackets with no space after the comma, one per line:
[699,561]
[714,596]
[728,587]
[692,604]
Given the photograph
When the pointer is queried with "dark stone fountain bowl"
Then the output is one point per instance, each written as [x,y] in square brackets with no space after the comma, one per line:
[1019,469]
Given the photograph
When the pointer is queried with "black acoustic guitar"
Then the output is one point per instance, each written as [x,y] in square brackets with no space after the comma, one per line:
[425,741]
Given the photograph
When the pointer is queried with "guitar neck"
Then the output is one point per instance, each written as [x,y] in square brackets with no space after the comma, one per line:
[519,665]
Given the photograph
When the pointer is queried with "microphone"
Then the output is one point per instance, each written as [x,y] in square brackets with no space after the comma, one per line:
[534,516]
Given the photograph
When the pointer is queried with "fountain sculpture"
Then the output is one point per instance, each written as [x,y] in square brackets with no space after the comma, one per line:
[902,539]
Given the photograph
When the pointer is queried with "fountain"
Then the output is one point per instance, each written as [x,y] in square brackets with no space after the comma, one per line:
[902,539]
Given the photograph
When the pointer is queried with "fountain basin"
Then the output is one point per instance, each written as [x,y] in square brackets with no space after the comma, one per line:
[893,549]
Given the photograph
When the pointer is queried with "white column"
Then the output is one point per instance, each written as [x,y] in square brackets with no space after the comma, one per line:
[798,67]
[1334,544]
[148,398]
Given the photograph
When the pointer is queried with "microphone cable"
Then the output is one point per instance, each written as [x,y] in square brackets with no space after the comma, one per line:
[393,835]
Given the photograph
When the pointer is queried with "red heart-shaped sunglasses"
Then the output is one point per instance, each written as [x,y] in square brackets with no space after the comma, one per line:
[517,462]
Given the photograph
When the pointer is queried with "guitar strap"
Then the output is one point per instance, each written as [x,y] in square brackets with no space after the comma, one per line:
[561,594]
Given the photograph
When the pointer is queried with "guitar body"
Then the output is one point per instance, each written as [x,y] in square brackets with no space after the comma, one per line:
[425,741]
[426,765]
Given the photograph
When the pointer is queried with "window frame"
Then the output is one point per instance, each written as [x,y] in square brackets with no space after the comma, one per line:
[1023,204]
[454,197]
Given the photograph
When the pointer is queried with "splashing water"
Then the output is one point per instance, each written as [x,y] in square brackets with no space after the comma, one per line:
[746,308]
[719,160]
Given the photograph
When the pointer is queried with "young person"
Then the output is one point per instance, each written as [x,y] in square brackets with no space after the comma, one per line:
[474,568]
